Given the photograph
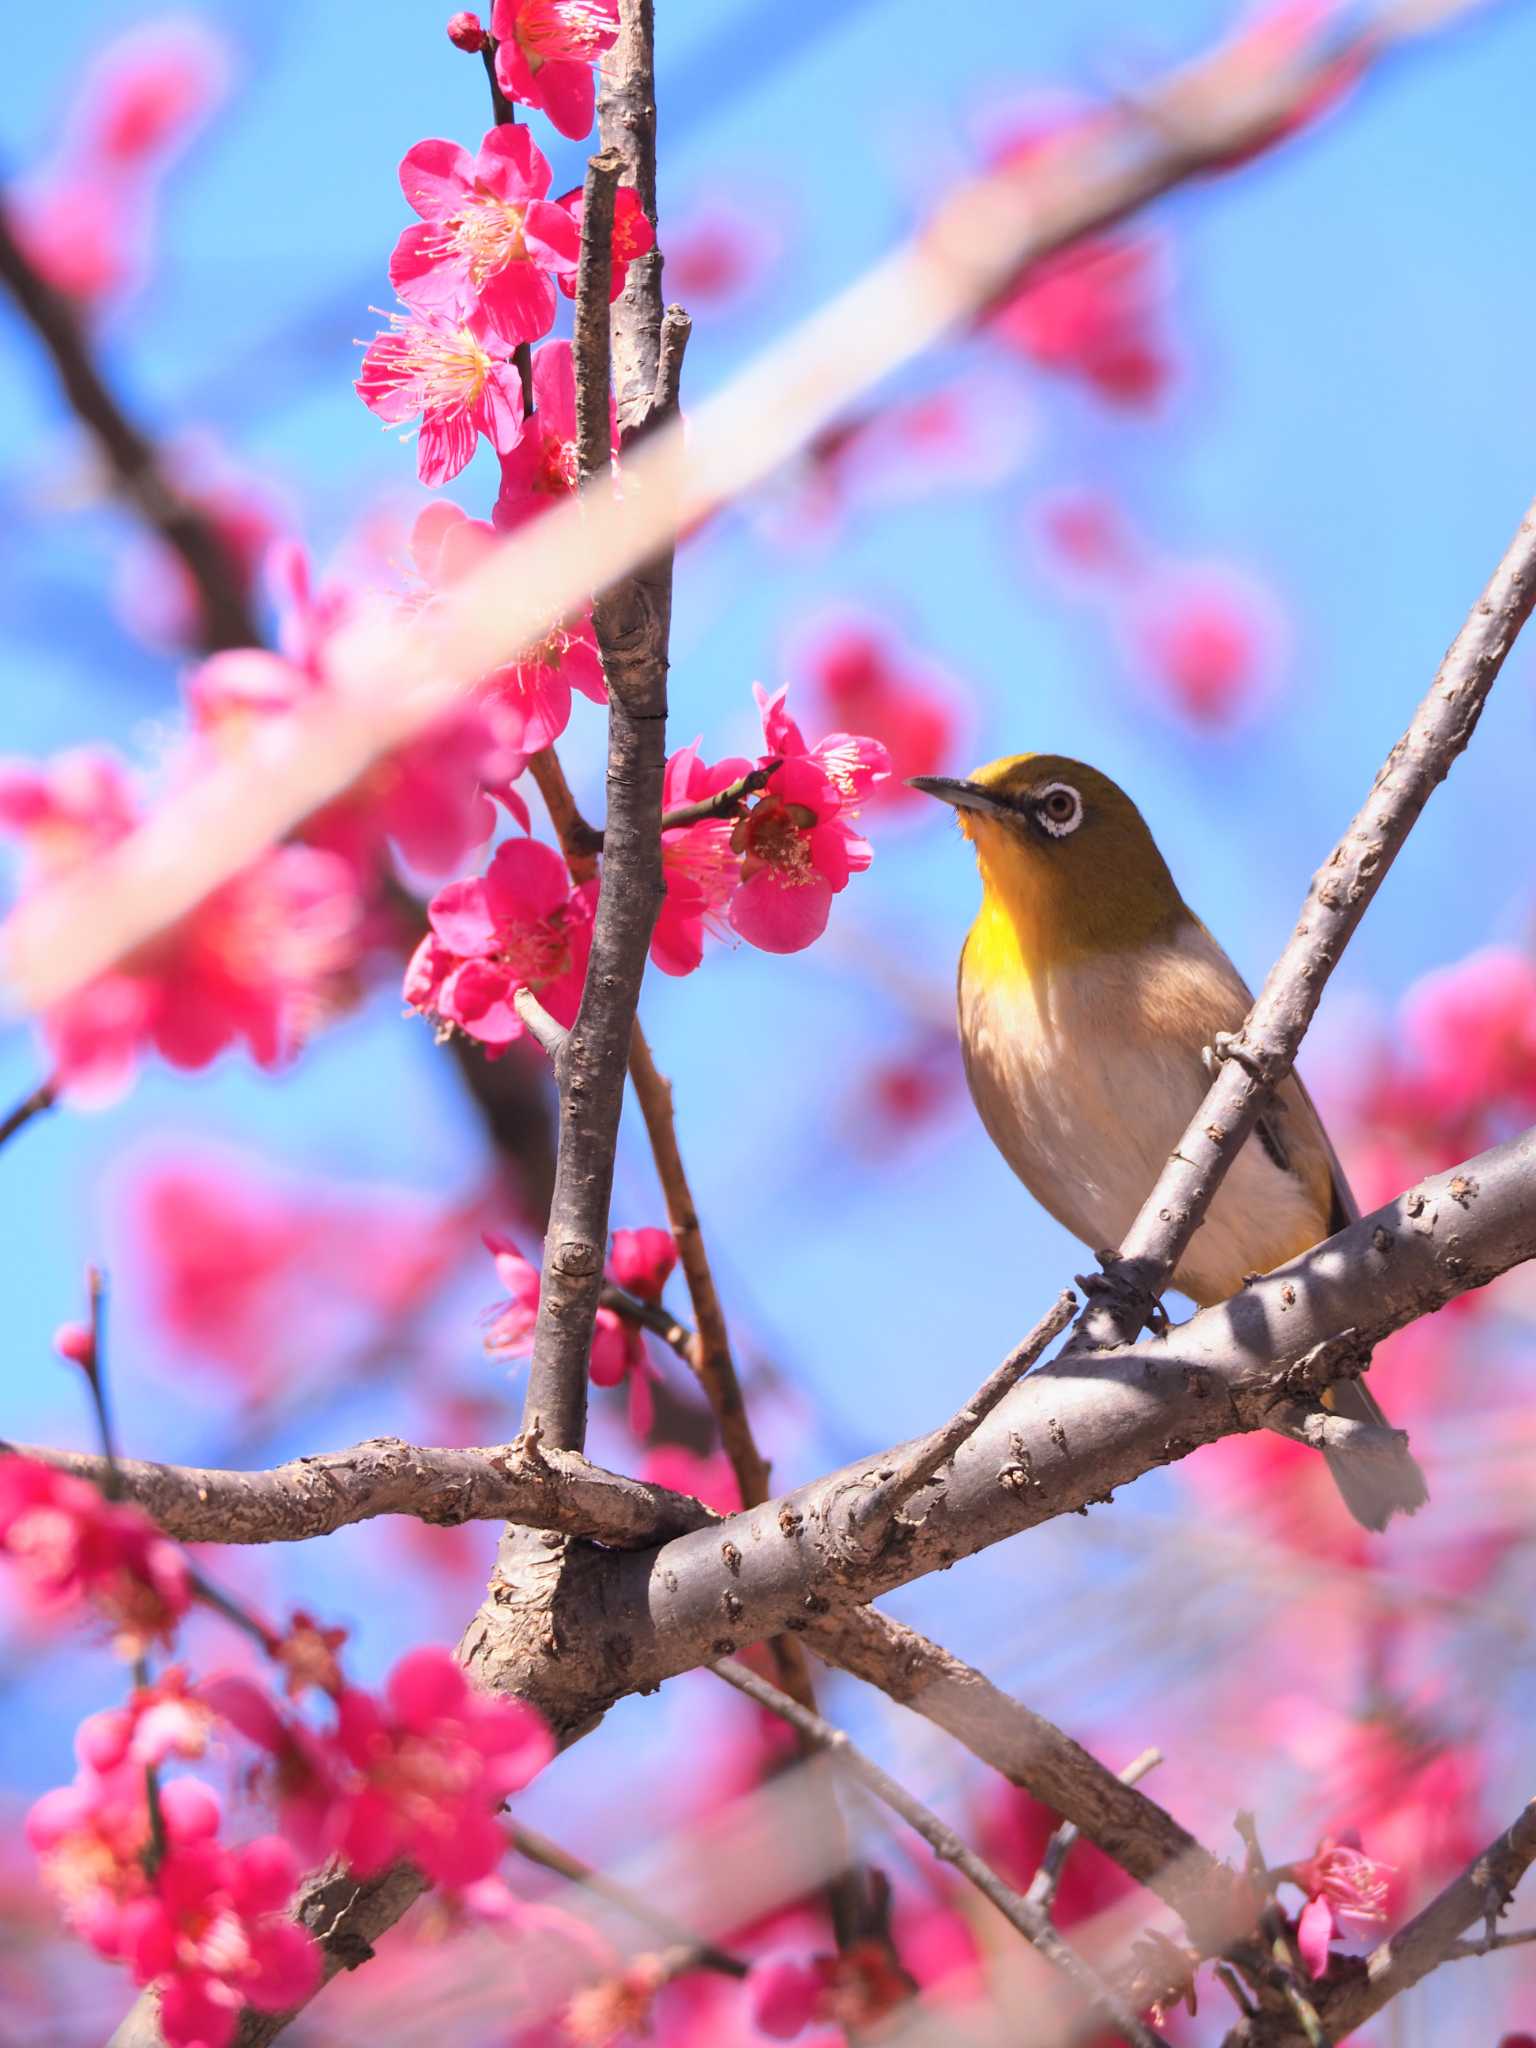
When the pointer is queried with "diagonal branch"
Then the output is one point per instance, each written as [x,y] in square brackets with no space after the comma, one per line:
[137,466]
[1262,1053]
[1019,1912]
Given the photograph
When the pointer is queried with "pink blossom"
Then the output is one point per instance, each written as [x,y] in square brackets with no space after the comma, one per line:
[1276,39]
[435,1759]
[490,240]
[63,810]
[1206,639]
[86,219]
[542,466]
[1470,1031]
[76,1343]
[306,1777]
[643,1261]
[90,1837]
[545,53]
[520,925]
[864,681]
[633,236]
[1087,538]
[1092,311]
[784,1995]
[212,1934]
[72,1545]
[719,252]
[160,1721]
[510,1333]
[261,962]
[701,870]
[711,1480]
[527,702]
[455,375]
[855,1989]
[797,846]
[1342,1885]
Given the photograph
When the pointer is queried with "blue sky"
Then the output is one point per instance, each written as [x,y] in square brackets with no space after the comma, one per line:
[1353,423]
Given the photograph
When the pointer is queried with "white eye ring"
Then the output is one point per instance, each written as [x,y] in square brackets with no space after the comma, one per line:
[1068,820]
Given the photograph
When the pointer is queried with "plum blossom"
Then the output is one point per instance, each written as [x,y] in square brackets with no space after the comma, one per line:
[213,1935]
[633,236]
[160,1721]
[73,1547]
[89,1838]
[854,1990]
[541,466]
[305,1775]
[797,845]
[1092,311]
[490,240]
[62,810]
[699,866]
[520,925]
[1206,640]
[434,1759]
[719,252]
[545,51]
[1470,1031]
[1343,1885]
[864,681]
[453,373]
[709,1479]
[527,702]
[640,1261]
[465,33]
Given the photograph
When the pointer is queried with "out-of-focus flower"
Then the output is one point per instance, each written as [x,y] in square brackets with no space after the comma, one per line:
[719,252]
[86,218]
[1275,38]
[1343,1887]
[307,1653]
[855,1989]
[509,1333]
[618,2008]
[545,51]
[454,374]
[633,236]
[155,592]
[435,1760]
[160,1721]
[540,466]
[73,1546]
[520,925]
[1470,1034]
[490,240]
[64,809]
[1205,639]
[306,1778]
[710,1479]
[863,680]
[1087,539]
[90,1837]
[213,1935]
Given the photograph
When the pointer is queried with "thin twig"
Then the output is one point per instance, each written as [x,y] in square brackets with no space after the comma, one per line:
[946,1844]
[870,1521]
[590,342]
[550,1856]
[137,466]
[1262,1053]
[650,1315]
[547,1030]
[579,842]
[1517,1937]
[1044,1884]
[42,1098]
[725,803]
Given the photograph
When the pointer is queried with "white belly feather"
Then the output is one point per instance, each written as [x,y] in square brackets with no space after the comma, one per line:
[1087,1080]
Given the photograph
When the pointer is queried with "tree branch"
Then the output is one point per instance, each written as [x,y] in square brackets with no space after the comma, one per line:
[1262,1053]
[43,1097]
[550,1856]
[136,465]
[521,1481]
[1046,1881]
[1020,1914]
[631,620]
[590,345]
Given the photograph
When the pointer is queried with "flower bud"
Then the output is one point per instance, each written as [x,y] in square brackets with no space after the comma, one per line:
[465,32]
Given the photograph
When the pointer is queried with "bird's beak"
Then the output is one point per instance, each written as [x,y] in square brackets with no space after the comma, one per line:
[965,796]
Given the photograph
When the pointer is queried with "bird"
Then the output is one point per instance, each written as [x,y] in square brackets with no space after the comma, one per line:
[1089,995]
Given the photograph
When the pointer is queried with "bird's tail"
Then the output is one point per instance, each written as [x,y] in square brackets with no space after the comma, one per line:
[1377,1483]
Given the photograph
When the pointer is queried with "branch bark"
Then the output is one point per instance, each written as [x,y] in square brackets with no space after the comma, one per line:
[312,1496]
[135,463]
[1262,1053]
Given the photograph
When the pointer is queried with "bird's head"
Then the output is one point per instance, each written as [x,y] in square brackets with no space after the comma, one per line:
[1065,856]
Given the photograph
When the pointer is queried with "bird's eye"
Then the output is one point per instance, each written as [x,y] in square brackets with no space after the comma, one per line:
[1059,809]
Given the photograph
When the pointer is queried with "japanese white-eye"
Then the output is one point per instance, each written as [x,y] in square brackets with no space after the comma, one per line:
[1088,994]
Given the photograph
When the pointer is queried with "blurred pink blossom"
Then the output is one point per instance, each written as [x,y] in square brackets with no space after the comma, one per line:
[73,1547]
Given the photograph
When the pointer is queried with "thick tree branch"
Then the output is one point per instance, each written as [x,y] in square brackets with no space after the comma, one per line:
[1262,1053]
[1064,1438]
[521,1481]
[136,465]
[1020,1914]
